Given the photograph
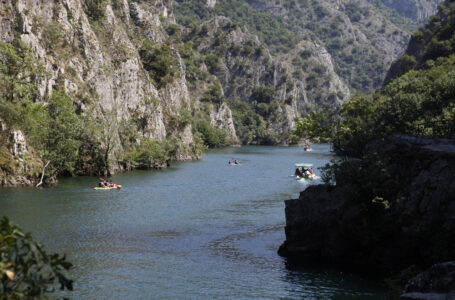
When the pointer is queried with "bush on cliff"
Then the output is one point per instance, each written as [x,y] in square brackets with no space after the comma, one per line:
[159,62]
[213,137]
[149,154]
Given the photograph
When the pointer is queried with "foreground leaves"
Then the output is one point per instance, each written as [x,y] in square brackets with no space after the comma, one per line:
[26,270]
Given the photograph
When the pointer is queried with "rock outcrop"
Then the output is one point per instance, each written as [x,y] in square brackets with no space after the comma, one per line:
[436,283]
[417,10]
[19,165]
[222,118]
[392,210]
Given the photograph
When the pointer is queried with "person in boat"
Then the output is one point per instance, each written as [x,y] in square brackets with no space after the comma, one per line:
[236,162]
[311,172]
[299,172]
[307,172]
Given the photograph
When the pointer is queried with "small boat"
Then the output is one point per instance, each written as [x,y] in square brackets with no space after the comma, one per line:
[234,162]
[301,171]
[111,187]
[307,148]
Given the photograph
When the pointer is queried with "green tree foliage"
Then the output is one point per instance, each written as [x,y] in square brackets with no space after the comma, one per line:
[159,62]
[18,73]
[214,94]
[263,94]
[417,102]
[316,127]
[269,30]
[213,137]
[433,41]
[213,62]
[249,125]
[95,9]
[56,134]
[26,270]
[150,154]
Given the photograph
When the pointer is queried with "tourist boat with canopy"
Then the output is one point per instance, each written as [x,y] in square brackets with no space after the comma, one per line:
[304,171]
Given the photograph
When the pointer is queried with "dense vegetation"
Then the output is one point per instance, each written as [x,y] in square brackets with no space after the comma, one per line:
[420,101]
[269,30]
[71,141]
[435,40]
[26,270]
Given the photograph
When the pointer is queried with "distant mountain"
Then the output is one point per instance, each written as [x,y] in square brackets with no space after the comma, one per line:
[431,42]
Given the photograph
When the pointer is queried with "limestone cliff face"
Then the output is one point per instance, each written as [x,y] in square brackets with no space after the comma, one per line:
[417,10]
[243,63]
[103,62]
[359,40]
[97,63]
[410,222]
[222,118]
[19,166]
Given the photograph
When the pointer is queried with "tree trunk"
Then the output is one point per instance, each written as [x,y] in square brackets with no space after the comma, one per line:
[42,175]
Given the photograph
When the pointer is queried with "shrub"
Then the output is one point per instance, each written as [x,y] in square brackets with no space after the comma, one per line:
[95,9]
[263,94]
[214,94]
[212,136]
[159,63]
[26,270]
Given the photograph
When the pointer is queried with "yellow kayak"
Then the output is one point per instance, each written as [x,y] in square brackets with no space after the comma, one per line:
[113,187]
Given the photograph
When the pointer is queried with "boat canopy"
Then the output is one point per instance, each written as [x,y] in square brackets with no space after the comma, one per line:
[304,165]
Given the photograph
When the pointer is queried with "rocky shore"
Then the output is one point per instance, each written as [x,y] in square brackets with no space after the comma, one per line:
[391,210]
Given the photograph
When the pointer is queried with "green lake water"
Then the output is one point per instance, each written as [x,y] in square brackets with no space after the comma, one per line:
[198,230]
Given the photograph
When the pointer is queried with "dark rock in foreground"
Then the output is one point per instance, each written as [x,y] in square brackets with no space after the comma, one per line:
[436,283]
[394,209]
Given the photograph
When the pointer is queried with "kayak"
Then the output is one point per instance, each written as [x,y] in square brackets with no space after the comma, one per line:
[113,187]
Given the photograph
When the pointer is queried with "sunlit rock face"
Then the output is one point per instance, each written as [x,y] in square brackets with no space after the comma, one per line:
[417,10]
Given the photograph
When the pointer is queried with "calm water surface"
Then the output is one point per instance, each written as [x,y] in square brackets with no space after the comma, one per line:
[198,230]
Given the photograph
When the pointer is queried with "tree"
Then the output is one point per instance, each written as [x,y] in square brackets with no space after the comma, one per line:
[263,94]
[159,62]
[26,270]
[316,127]
[214,94]
[56,136]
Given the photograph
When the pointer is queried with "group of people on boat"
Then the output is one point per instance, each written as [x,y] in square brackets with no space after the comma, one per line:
[105,183]
[234,162]
[304,172]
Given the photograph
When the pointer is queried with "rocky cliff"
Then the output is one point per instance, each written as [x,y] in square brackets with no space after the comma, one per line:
[430,42]
[417,10]
[438,282]
[91,50]
[389,211]
[20,166]
[325,49]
